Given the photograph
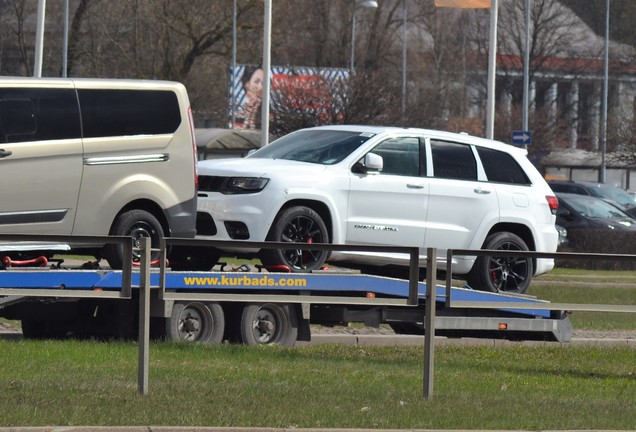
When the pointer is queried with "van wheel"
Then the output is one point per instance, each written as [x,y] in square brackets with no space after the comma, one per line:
[136,224]
[502,274]
[297,225]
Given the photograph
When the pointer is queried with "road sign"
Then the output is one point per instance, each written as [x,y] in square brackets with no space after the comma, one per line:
[521,137]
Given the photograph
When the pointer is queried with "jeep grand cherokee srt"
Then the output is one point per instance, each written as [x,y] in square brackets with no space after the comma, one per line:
[367,185]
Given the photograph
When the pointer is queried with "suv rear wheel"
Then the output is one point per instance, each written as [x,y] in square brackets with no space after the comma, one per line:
[502,274]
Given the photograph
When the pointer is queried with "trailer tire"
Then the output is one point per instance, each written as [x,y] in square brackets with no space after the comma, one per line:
[136,224]
[46,329]
[269,323]
[196,322]
[407,328]
[510,275]
[33,329]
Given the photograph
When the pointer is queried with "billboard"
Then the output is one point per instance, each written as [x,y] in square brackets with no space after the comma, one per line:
[299,97]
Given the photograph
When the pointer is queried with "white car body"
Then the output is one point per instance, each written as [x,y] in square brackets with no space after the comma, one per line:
[374,209]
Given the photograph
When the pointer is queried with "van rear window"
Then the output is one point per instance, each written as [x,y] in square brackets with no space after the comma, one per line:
[38,114]
[128,112]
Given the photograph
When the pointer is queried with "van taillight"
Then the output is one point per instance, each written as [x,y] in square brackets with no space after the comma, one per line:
[194,149]
[553,203]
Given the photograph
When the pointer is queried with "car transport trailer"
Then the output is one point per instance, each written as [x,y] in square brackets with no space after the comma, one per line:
[251,306]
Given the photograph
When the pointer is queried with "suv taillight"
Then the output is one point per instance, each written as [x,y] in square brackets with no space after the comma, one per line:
[553,203]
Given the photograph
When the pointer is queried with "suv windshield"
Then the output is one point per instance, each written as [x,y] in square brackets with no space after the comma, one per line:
[325,147]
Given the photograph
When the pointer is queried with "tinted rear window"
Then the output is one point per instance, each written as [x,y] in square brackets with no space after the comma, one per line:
[128,112]
[500,167]
[38,114]
[453,161]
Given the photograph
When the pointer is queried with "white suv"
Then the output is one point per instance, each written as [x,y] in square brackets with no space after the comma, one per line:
[367,185]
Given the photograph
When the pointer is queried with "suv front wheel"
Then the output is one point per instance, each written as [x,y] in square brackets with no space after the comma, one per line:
[297,225]
[509,274]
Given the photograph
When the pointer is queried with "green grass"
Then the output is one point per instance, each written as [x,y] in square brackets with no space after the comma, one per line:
[513,387]
[591,287]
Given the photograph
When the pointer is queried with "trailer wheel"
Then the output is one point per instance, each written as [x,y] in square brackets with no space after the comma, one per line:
[196,322]
[46,329]
[297,225]
[502,274]
[136,224]
[407,328]
[33,329]
[269,323]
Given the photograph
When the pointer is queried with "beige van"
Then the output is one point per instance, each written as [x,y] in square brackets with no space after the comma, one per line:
[96,157]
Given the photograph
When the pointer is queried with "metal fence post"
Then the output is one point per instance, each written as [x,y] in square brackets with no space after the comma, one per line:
[144,316]
[429,324]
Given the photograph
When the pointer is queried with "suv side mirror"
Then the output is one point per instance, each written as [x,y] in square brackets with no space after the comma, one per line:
[373,162]
[370,163]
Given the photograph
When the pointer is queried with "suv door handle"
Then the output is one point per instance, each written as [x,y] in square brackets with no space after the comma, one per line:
[415,186]
[481,191]
[5,153]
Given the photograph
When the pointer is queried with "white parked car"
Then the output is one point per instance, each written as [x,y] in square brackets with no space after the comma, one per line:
[365,185]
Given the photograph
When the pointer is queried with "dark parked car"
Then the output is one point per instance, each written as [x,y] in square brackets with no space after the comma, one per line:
[617,196]
[586,212]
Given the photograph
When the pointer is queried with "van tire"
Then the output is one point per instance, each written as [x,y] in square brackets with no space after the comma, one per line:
[136,224]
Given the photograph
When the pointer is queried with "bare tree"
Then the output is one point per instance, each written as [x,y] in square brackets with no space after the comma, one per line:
[17,58]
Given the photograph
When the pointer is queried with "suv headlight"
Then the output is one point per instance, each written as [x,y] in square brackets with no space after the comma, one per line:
[244,185]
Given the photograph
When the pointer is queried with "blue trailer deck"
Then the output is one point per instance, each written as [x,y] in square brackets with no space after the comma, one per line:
[65,282]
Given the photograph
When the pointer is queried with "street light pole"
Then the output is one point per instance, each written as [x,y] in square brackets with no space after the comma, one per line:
[233,75]
[526,70]
[602,172]
[356,5]
[492,72]
[404,35]
[39,39]
[267,64]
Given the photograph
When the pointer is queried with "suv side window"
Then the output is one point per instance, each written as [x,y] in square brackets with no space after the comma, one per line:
[400,156]
[453,160]
[108,113]
[38,114]
[500,167]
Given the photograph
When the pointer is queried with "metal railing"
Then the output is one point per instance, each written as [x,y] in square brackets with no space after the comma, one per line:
[429,331]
